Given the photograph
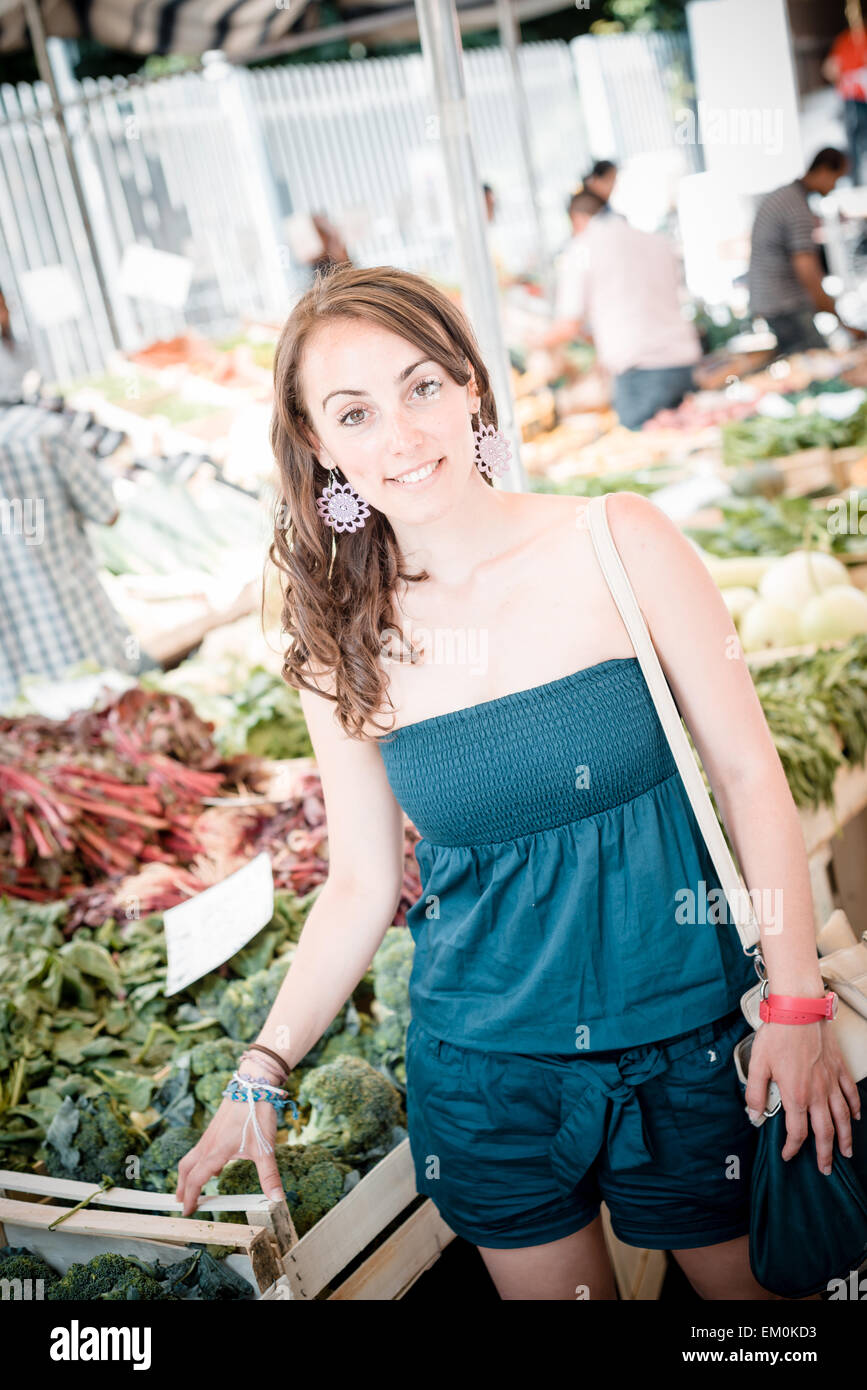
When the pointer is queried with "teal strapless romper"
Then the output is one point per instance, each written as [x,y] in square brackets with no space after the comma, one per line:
[568,898]
[576,981]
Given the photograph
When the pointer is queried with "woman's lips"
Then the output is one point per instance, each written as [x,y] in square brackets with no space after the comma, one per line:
[422,482]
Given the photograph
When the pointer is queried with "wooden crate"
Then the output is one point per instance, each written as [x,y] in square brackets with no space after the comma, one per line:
[129,1222]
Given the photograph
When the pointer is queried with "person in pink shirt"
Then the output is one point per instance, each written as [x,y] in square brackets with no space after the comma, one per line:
[622,288]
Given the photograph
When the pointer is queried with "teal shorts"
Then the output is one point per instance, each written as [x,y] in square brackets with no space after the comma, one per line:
[517,1149]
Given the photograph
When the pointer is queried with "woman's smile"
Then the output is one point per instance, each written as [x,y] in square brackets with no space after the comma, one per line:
[417,478]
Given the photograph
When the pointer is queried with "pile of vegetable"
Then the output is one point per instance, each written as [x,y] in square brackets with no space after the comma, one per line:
[254,710]
[816,708]
[763,527]
[119,1278]
[163,529]
[100,1073]
[802,598]
[763,437]
[102,792]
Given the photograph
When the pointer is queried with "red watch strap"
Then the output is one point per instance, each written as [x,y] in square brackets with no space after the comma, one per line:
[802,1005]
[804,1010]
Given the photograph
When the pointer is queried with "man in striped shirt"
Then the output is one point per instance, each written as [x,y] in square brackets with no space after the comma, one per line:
[785,275]
[54,611]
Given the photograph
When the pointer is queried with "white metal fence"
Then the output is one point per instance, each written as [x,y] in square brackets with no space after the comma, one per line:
[210,169]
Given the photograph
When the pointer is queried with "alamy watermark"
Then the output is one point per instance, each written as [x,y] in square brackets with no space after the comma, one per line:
[23,516]
[759,126]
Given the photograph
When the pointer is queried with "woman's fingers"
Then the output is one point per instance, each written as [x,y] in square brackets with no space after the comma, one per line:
[842,1120]
[849,1087]
[758,1076]
[796,1126]
[269,1177]
[823,1131]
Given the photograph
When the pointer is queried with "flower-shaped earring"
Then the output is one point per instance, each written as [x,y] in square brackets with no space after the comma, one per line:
[341,507]
[493,451]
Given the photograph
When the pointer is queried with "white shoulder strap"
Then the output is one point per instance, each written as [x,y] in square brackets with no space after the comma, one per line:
[732,882]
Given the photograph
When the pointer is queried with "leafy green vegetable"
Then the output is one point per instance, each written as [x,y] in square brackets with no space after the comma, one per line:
[87,1139]
[313,1179]
[354,1110]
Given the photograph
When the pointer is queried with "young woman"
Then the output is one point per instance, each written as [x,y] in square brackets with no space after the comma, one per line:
[572,1037]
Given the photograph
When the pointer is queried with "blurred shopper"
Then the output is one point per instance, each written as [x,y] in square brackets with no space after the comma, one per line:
[53,610]
[601,180]
[16,359]
[785,274]
[622,288]
[846,67]
[495,246]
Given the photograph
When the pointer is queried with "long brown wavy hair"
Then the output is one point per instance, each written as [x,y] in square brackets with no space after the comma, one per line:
[338,588]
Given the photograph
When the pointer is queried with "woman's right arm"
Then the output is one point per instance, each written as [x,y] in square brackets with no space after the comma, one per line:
[346,924]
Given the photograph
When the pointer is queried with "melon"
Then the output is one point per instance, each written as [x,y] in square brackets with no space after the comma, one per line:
[738,599]
[837,614]
[767,624]
[796,578]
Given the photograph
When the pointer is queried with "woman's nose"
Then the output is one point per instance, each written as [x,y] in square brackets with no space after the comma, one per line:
[404,435]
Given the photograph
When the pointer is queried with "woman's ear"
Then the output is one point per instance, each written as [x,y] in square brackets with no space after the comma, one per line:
[473,396]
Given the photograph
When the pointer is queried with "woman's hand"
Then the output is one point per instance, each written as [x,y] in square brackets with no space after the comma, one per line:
[221,1142]
[805,1061]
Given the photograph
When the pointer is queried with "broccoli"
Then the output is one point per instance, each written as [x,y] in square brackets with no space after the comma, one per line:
[392,966]
[209,1090]
[159,1162]
[108,1276]
[245,1004]
[354,1109]
[88,1140]
[220,1055]
[345,1045]
[17,1262]
[313,1180]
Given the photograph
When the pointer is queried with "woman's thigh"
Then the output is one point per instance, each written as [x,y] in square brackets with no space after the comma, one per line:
[576,1267]
[723,1272]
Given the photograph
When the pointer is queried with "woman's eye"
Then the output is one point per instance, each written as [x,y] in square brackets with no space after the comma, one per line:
[356,410]
[433,383]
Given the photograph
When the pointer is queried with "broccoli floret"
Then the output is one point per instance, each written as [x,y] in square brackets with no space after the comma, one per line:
[313,1179]
[108,1276]
[221,1055]
[353,1109]
[159,1162]
[209,1090]
[245,1004]
[392,967]
[17,1262]
[87,1139]
[344,1045]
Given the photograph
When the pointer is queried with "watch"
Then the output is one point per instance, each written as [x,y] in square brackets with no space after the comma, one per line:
[790,1008]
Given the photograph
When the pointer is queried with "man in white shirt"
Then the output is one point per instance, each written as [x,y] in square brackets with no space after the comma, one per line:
[621,287]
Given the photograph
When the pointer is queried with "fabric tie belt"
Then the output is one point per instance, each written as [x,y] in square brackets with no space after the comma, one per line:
[600,1107]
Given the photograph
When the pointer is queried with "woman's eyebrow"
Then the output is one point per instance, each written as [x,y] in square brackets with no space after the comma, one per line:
[356,391]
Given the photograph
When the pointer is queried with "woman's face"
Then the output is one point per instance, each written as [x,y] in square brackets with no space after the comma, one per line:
[380,410]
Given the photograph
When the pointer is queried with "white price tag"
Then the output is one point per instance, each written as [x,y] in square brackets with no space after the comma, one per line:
[217,923]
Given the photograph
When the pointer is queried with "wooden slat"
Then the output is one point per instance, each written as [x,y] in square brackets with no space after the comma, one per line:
[850,797]
[61,1188]
[356,1220]
[638,1273]
[135,1224]
[395,1265]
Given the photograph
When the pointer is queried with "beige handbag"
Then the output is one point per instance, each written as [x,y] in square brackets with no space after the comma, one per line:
[842,957]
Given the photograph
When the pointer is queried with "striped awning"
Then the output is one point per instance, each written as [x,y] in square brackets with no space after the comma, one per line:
[238,27]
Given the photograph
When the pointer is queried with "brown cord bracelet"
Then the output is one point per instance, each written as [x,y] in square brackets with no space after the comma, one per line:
[259,1047]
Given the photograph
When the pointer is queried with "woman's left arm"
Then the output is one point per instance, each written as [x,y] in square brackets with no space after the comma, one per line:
[700,653]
